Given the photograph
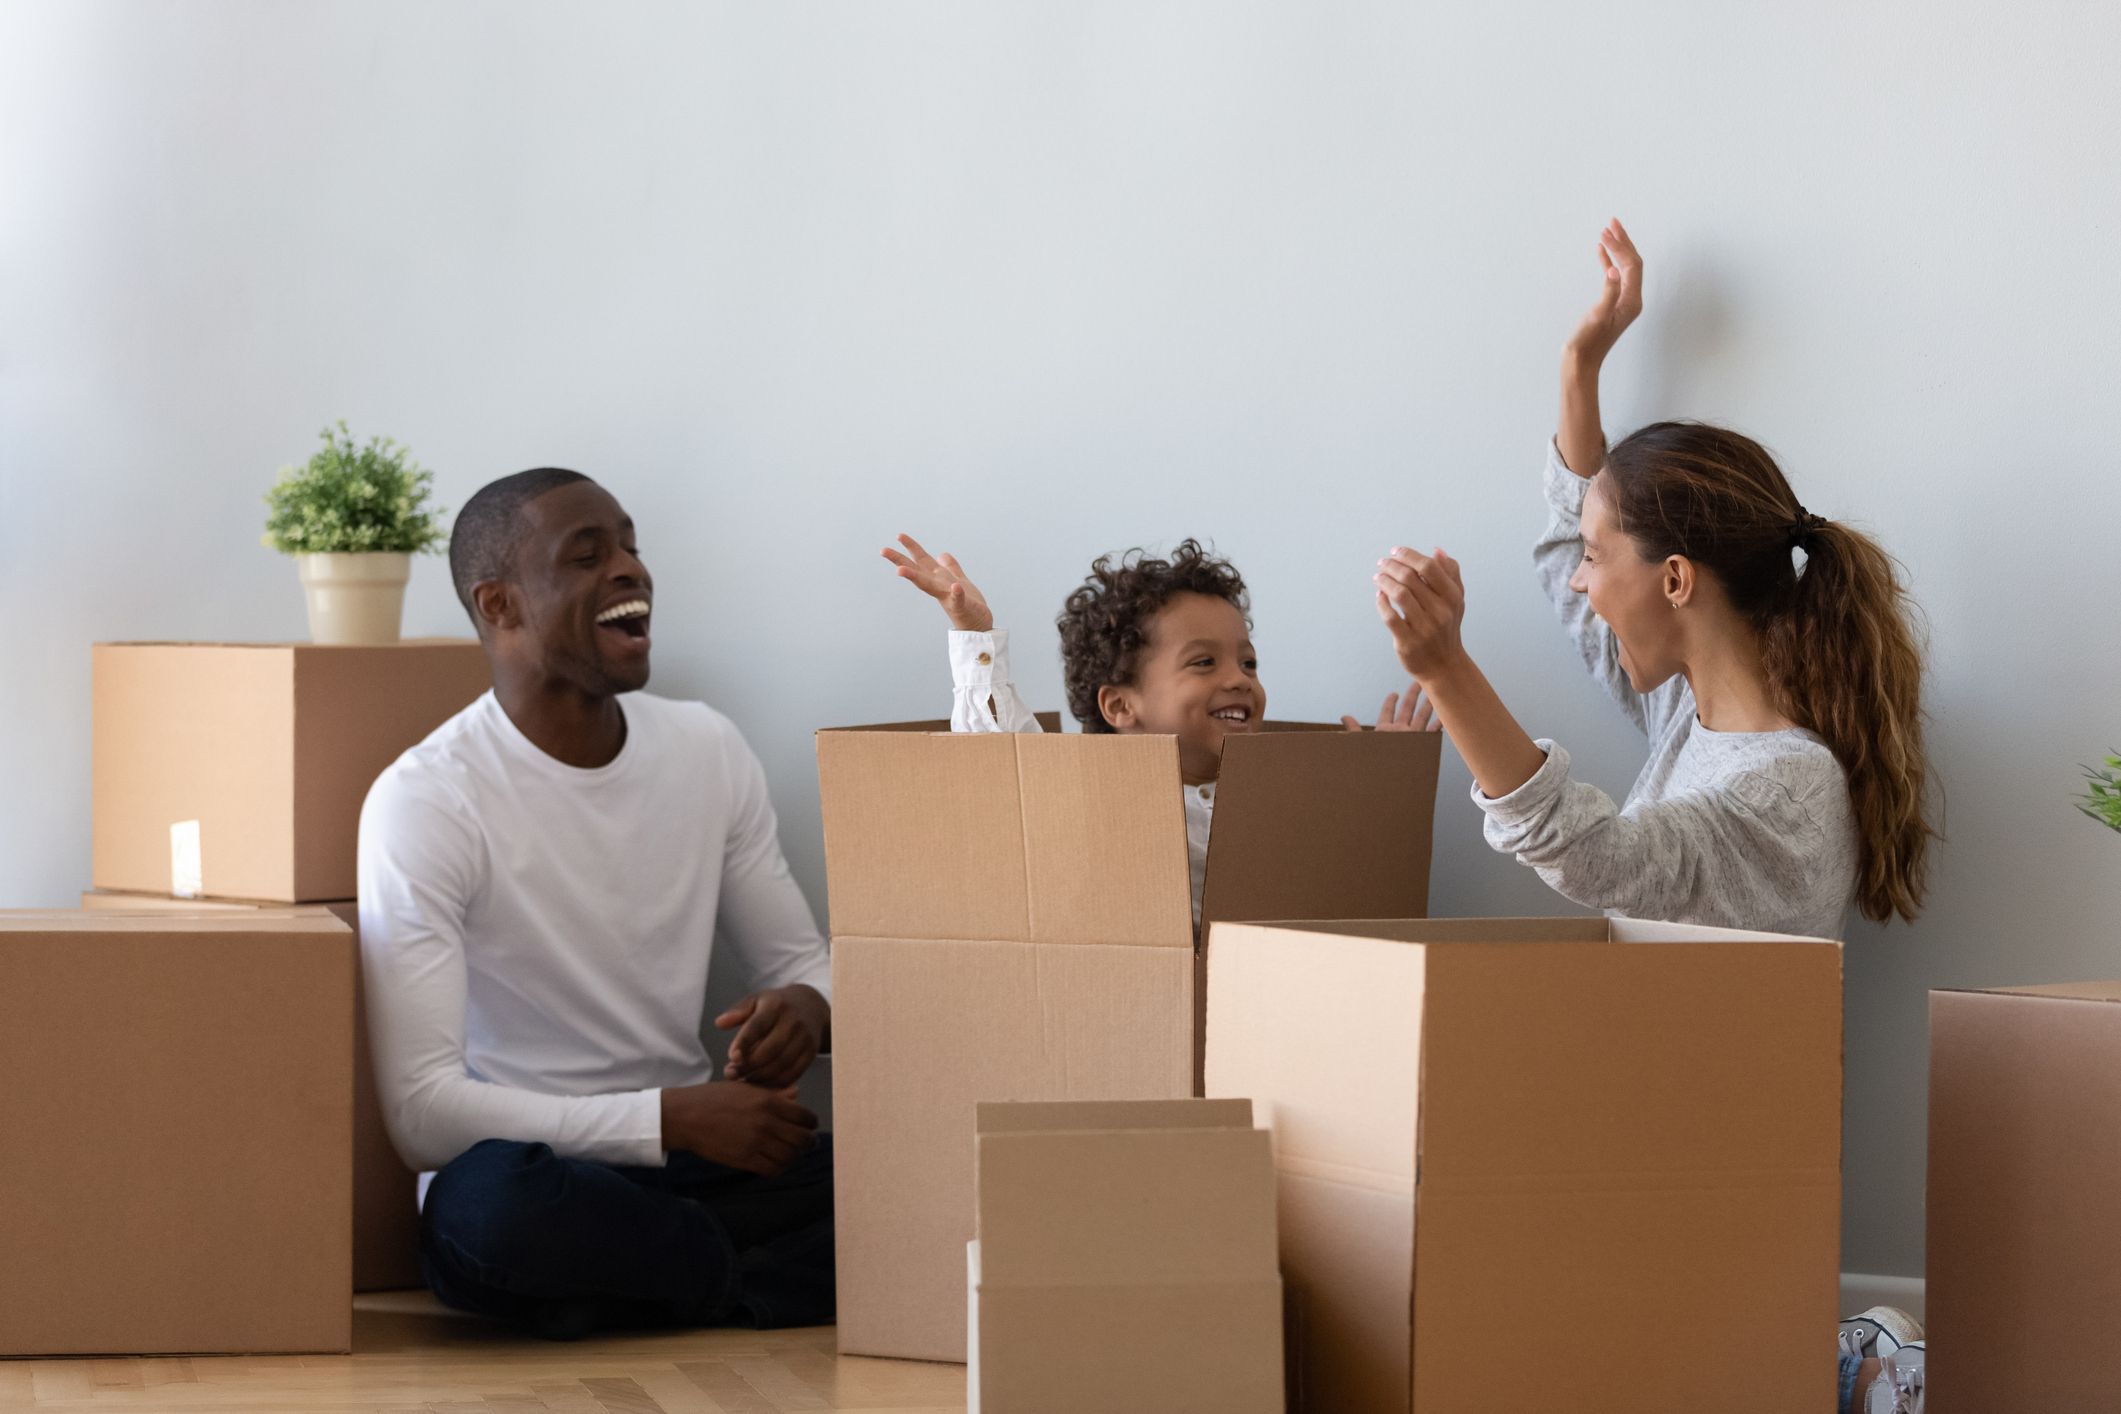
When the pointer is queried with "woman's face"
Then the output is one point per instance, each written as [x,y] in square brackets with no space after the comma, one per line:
[1630,593]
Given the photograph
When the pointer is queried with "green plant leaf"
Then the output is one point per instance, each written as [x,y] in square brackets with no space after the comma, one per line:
[353,499]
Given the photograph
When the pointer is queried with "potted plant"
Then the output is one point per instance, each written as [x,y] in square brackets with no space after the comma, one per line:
[353,518]
[2103,801]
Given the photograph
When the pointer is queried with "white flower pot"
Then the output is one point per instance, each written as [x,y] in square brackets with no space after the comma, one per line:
[354,598]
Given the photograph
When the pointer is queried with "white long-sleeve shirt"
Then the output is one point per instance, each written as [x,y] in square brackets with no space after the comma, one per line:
[986,701]
[535,937]
[1746,830]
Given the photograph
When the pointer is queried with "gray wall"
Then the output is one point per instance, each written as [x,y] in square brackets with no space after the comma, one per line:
[1039,281]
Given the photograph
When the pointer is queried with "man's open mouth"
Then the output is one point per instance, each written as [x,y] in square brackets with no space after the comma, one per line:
[627,619]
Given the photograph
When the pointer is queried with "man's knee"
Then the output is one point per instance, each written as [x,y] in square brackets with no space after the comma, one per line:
[491,1197]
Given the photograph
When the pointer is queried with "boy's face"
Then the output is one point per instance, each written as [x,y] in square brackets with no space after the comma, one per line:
[1198,680]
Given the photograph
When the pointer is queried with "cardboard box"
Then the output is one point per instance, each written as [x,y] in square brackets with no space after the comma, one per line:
[238,770]
[1125,1260]
[1012,920]
[386,1197]
[2024,1261]
[179,1095]
[1565,1163]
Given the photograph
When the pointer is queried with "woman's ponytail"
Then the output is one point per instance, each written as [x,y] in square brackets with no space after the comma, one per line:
[1839,641]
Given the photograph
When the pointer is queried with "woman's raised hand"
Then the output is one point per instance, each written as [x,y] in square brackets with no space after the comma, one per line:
[1619,297]
[942,579]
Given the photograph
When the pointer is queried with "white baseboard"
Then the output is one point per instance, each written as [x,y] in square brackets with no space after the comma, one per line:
[1860,1290]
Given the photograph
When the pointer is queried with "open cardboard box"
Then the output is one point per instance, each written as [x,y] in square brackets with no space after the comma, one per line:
[237,770]
[2024,1260]
[1567,1163]
[178,1109]
[1125,1260]
[1012,920]
[386,1194]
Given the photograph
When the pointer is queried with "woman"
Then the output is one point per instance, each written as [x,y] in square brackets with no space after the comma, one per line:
[1786,777]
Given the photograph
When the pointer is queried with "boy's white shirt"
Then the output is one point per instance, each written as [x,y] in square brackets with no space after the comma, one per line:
[986,701]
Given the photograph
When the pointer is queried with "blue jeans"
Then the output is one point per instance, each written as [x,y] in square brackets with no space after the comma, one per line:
[562,1247]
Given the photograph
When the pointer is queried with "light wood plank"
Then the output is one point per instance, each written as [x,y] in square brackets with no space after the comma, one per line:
[411,1356]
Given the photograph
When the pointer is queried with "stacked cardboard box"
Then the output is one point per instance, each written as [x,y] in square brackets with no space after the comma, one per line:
[178,1103]
[1577,1164]
[1125,1260]
[386,1213]
[1012,920]
[230,777]
[2024,1260]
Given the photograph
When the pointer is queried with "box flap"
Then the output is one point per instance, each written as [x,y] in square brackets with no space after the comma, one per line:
[196,922]
[1356,1119]
[1045,838]
[1325,823]
[1647,930]
[2061,991]
[1040,1116]
[938,726]
[1731,1064]
[1125,1207]
[1105,837]
[924,835]
[1453,930]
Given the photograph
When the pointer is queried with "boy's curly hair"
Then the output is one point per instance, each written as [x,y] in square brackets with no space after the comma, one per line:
[1104,625]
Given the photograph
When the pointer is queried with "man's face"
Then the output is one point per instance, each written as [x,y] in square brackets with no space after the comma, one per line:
[1197,680]
[578,603]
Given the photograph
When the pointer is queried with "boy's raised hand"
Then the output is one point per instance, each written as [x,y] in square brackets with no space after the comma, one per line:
[942,579]
[1403,712]
[1619,298]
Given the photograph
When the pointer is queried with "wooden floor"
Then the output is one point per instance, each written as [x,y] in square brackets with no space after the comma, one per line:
[412,1357]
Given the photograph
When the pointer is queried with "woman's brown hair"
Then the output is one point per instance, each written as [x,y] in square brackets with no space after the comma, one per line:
[1839,639]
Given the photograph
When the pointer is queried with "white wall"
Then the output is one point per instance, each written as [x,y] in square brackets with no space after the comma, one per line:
[1039,281]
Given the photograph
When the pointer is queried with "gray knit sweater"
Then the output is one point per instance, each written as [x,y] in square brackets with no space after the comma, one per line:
[1734,829]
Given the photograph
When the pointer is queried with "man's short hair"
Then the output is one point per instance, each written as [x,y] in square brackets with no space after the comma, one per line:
[489,530]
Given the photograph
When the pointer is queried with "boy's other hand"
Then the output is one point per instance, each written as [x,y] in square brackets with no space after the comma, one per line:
[1619,298]
[1403,712]
[942,579]
[740,1126]
[781,1032]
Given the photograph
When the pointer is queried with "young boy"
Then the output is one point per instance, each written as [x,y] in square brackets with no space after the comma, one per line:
[1156,646]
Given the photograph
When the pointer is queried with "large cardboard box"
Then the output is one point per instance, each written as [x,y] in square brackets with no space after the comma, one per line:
[386,1194]
[2024,1261]
[1565,1163]
[1012,920]
[1125,1260]
[237,770]
[177,1108]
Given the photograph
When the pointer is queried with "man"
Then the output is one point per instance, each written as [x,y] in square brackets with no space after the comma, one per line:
[542,882]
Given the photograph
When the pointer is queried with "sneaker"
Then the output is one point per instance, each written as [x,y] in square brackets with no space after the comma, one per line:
[1870,1336]
[1899,1386]
[1879,1332]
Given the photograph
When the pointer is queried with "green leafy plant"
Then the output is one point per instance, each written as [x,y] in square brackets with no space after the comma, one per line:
[2103,801]
[351,499]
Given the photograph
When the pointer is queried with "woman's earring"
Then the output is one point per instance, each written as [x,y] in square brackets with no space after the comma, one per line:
[1675,603]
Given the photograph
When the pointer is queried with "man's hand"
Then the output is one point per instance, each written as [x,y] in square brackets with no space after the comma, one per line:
[741,1126]
[1619,299]
[942,579]
[1410,711]
[782,1032]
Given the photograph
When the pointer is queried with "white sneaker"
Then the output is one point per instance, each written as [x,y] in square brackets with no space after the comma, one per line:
[1879,1332]
[1899,1386]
